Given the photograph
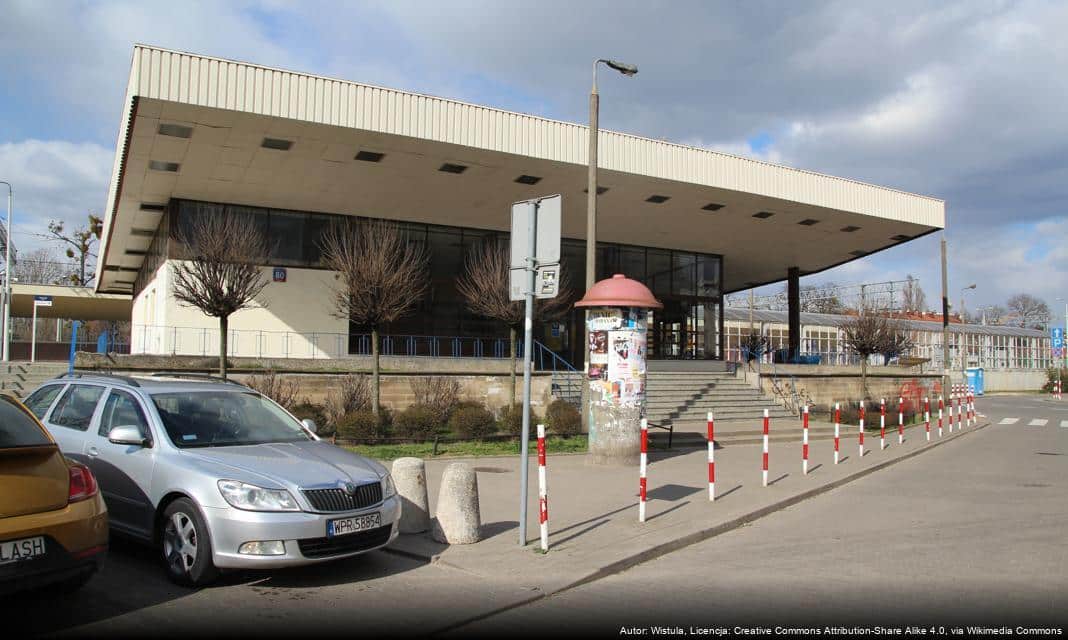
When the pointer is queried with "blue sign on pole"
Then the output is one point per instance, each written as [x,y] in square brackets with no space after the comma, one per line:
[1057,337]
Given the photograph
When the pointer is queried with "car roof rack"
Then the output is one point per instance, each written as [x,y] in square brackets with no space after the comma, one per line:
[205,377]
[105,375]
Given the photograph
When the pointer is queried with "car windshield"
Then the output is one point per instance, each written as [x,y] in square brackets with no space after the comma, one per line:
[225,419]
[18,429]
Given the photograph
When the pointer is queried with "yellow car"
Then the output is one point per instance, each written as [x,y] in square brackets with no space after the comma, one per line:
[53,523]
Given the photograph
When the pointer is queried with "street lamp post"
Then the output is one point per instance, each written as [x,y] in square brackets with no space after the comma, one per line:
[591,207]
[7,275]
[591,188]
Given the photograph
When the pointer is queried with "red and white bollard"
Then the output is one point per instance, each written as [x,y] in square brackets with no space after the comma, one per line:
[882,423]
[711,458]
[951,394]
[804,444]
[960,410]
[861,432]
[644,464]
[900,421]
[543,492]
[971,406]
[927,417]
[766,426]
[837,421]
[940,406]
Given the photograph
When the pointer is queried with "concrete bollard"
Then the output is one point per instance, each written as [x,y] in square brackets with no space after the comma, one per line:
[458,519]
[409,474]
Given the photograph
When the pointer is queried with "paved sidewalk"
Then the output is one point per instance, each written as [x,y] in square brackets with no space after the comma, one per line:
[593,513]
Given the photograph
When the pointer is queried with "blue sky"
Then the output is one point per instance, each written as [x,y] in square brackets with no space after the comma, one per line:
[958,100]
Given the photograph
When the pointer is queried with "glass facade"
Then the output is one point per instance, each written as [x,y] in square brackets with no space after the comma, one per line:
[689,284]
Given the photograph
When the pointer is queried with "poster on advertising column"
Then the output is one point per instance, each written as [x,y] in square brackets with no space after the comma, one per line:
[626,365]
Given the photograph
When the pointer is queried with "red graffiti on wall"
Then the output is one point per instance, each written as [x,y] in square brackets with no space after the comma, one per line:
[912,392]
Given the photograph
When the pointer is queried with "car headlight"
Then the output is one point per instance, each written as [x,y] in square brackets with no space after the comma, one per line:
[243,495]
[388,488]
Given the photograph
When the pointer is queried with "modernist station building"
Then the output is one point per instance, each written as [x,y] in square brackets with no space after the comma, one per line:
[291,152]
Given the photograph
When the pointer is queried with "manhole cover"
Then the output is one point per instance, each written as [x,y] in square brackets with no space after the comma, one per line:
[492,470]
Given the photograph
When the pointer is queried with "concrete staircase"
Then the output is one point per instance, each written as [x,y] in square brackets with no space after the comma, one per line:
[21,378]
[681,397]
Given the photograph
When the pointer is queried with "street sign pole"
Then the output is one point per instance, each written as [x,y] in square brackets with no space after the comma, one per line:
[528,339]
[534,273]
[33,334]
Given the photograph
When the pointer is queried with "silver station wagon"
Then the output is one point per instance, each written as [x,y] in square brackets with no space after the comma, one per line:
[217,475]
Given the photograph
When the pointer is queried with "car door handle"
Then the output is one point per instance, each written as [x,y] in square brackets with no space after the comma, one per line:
[93,452]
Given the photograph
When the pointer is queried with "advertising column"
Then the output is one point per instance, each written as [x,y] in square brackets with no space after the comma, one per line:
[616,330]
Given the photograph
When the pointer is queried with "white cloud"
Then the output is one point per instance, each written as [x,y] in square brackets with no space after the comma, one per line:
[53,180]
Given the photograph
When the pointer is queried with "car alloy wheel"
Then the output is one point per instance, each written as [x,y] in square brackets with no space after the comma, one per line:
[187,545]
[180,543]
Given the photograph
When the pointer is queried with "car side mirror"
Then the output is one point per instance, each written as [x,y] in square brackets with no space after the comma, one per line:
[127,434]
[309,424]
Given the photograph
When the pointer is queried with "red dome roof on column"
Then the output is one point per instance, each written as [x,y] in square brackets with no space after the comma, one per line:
[619,291]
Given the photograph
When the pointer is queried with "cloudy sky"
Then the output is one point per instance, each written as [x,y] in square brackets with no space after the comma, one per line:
[964,101]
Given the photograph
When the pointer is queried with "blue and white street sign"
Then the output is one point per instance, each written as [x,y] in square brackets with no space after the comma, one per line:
[42,301]
[1057,337]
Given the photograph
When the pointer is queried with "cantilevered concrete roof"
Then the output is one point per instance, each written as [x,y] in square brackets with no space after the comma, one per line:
[225,113]
[76,303]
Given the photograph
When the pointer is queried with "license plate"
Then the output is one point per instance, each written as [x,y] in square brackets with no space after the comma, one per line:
[345,526]
[16,550]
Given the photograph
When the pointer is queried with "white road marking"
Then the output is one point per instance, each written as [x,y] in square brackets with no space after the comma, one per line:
[1064,424]
[1038,422]
[1009,421]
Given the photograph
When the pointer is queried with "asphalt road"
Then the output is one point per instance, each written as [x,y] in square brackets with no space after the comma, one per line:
[973,533]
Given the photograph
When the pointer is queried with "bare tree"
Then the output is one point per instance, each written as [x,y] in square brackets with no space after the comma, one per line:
[994,314]
[381,277]
[485,287]
[220,275]
[1029,310]
[896,341]
[79,244]
[912,295]
[40,266]
[864,335]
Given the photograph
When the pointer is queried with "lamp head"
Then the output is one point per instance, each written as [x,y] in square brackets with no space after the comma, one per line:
[622,67]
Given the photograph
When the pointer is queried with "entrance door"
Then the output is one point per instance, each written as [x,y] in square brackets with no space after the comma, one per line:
[686,329]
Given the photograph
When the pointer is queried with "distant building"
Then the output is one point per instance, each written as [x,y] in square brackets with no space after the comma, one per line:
[991,347]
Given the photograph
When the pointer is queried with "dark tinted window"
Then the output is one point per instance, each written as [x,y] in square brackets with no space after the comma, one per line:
[122,410]
[17,428]
[225,418]
[75,409]
[40,400]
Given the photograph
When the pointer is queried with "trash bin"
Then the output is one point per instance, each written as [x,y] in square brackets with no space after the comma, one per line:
[974,378]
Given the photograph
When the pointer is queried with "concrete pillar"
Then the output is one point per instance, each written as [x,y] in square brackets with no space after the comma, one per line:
[793,304]
[409,474]
[458,519]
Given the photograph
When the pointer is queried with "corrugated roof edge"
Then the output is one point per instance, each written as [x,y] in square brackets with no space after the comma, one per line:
[544,119]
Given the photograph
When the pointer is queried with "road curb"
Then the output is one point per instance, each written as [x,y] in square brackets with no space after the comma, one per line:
[705,534]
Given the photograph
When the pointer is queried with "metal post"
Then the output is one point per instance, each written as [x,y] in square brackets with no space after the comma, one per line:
[528,337]
[33,335]
[945,318]
[7,276]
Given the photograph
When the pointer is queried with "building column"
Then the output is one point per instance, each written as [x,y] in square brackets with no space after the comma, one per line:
[793,304]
